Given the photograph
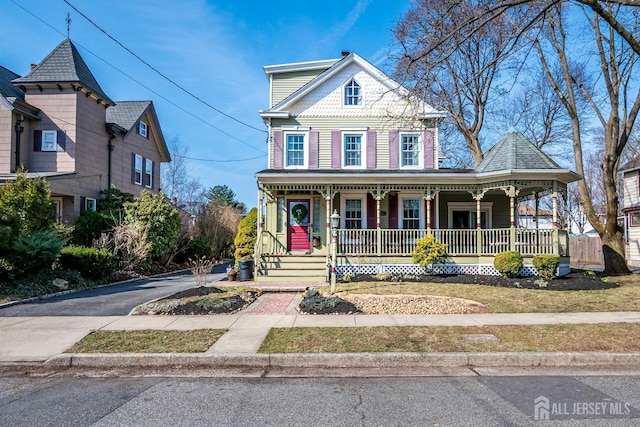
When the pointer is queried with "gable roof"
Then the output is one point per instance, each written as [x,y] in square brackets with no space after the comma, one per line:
[7,89]
[125,114]
[515,152]
[631,165]
[334,67]
[64,65]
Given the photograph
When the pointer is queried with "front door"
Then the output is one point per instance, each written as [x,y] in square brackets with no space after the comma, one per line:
[298,225]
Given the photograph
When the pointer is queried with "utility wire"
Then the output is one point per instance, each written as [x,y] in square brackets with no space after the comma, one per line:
[161,74]
[146,87]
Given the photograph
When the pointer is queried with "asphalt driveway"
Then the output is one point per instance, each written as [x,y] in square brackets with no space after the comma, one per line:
[116,300]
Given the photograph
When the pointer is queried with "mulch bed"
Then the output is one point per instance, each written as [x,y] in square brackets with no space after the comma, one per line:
[574,281]
[196,292]
[202,306]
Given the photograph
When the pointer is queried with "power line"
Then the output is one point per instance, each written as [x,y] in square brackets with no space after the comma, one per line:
[145,86]
[219,161]
[162,74]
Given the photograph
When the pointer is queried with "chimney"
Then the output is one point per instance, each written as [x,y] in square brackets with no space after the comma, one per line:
[345,53]
[33,67]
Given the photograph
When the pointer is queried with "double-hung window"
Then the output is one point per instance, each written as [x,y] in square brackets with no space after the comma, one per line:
[142,129]
[148,173]
[352,93]
[353,214]
[410,150]
[137,173]
[49,140]
[353,150]
[295,150]
[411,214]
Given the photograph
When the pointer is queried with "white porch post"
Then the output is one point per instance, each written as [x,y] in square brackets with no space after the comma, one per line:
[556,237]
[478,226]
[378,229]
[512,221]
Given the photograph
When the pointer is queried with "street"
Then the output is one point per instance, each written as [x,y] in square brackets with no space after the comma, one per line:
[602,400]
[116,300]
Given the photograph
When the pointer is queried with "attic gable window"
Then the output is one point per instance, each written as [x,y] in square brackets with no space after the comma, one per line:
[142,129]
[352,93]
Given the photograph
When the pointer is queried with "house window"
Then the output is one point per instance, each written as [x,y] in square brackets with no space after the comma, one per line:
[295,150]
[142,130]
[410,214]
[353,214]
[137,170]
[463,215]
[410,150]
[148,173]
[352,95]
[634,219]
[90,204]
[353,150]
[49,140]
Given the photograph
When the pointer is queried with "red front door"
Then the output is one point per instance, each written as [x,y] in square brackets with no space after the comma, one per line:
[298,225]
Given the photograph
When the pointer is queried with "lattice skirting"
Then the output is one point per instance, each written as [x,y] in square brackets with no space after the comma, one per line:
[481,269]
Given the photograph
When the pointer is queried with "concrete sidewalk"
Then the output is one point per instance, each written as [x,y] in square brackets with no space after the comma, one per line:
[44,339]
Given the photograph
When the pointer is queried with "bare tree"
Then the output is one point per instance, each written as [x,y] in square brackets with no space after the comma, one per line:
[217,226]
[453,70]
[174,175]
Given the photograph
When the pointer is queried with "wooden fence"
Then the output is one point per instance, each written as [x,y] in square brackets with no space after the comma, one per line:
[585,250]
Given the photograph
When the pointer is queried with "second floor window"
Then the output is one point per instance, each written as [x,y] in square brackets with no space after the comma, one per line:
[137,174]
[49,140]
[410,149]
[353,150]
[352,94]
[148,173]
[295,150]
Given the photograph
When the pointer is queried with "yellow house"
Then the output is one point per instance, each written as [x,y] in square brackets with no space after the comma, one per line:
[347,139]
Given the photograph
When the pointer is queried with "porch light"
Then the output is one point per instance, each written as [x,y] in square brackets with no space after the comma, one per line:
[335,220]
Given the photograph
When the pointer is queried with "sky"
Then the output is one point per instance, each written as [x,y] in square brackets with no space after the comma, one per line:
[213,49]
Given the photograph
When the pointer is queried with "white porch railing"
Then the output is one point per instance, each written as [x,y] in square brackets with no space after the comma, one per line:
[460,242]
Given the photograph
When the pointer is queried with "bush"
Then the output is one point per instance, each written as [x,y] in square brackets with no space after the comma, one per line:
[93,263]
[546,265]
[88,227]
[192,248]
[36,252]
[508,263]
[245,240]
[29,200]
[429,252]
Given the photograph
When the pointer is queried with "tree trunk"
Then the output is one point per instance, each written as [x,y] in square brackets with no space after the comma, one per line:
[613,249]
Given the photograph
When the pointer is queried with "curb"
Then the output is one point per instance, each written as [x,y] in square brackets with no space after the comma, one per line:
[346,360]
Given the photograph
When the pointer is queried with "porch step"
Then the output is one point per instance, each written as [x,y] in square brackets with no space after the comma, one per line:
[291,268]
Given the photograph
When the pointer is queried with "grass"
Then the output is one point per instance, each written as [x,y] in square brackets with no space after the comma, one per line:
[626,297]
[575,337]
[148,341]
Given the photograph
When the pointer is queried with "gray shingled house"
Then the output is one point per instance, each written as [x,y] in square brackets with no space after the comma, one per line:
[346,138]
[57,122]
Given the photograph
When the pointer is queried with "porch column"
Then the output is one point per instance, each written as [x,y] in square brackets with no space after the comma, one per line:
[378,229]
[258,246]
[512,221]
[556,237]
[428,199]
[478,226]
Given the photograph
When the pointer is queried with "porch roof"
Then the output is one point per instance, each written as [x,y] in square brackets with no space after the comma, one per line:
[412,176]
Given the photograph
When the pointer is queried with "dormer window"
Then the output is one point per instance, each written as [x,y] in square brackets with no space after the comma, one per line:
[352,93]
[142,130]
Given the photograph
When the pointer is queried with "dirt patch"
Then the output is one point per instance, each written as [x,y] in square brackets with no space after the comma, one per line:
[575,281]
[413,304]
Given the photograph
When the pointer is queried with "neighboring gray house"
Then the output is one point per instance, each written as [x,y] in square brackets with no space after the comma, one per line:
[631,209]
[57,122]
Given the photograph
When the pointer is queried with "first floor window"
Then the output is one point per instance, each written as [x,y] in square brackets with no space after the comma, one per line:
[634,219]
[90,204]
[295,150]
[353,150]
[353,214]
[137,173]
[410,214]
[410,149]
[49,140]
[148,173]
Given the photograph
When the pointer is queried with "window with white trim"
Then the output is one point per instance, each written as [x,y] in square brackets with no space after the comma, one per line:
[410,150]
[352,93]
[353,214]
[295,155]
[411,214]
[148,173]
[90,204]
[137,172]
[49,140]
[142,129]
[463,215]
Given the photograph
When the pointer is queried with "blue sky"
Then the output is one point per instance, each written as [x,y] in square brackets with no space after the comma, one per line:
[214,49]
